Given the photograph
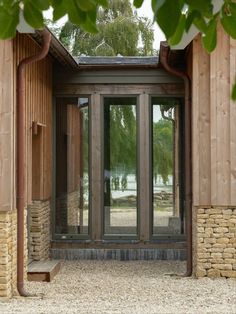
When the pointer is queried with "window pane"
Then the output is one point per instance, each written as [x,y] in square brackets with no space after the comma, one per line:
[167,209]
[120,179]
[72,171]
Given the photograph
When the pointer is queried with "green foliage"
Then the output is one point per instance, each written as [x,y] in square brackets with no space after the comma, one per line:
[119,32]
[80,12]
[172,10]
[209,38]
[9,19]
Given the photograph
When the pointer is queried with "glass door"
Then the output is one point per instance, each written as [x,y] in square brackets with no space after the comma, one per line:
[120,166]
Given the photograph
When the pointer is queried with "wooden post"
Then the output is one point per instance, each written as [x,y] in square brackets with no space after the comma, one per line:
[144,167]
[96,168]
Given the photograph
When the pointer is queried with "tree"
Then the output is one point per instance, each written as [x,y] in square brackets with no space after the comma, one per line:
[119,32]
[173,16]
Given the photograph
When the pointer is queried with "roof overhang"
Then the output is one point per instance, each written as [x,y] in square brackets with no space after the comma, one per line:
[96,62]
[57,50]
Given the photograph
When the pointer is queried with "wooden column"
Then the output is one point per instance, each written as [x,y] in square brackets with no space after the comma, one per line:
[144,167]
[7,159]
[176,167]
[96,168]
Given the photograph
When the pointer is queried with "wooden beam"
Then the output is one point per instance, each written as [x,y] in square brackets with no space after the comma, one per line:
[7,159]
[128,89]
[96,168]
[145,174]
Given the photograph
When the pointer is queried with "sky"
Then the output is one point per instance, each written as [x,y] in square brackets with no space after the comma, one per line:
[145,11]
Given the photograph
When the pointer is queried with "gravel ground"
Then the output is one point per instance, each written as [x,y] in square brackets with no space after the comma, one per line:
[125,287]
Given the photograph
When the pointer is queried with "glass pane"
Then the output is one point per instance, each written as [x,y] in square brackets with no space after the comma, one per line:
[167,212]
[120,179]
[72,170]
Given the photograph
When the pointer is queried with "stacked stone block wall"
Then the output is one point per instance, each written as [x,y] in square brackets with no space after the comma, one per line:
[39,230]
[8,247]
[214,245]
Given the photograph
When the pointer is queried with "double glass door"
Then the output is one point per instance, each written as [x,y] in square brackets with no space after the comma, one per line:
[119,167]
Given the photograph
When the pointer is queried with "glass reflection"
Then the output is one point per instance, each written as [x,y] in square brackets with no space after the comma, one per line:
[72,171]
[120,180]
[167,214]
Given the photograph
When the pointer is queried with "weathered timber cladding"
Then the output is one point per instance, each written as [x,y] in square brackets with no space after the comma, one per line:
[6,127]
[38,103]
[213,123]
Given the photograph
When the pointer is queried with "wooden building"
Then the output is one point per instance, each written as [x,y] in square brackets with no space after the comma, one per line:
[125,158]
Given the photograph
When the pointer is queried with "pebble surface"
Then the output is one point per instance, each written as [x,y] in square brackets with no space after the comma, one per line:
[115,287]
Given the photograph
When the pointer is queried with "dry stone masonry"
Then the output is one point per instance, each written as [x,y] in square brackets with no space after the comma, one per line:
[39,230]
[215,242]
[7,253]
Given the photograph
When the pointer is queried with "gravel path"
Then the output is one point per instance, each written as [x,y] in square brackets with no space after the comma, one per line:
[135,287]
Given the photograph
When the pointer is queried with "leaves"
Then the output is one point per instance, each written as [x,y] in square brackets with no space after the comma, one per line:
[175,39]
[59,9]
[138,3]
[168,16]
[205,7]
[209,38]
[42,4]
[85,5]
[9,19]
[80,12]
[33,15]
[229,24]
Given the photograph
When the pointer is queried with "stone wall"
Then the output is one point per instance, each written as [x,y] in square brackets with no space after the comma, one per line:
[8,247]
[39,230]
[214,242]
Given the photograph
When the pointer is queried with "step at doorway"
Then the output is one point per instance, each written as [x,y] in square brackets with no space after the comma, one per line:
[43,270]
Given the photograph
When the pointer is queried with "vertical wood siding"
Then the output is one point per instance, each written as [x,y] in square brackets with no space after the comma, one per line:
[214,120]
[38,102]
[7,187]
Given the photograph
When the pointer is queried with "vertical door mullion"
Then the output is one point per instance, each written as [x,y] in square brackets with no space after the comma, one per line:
[96,168]
[144,167]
